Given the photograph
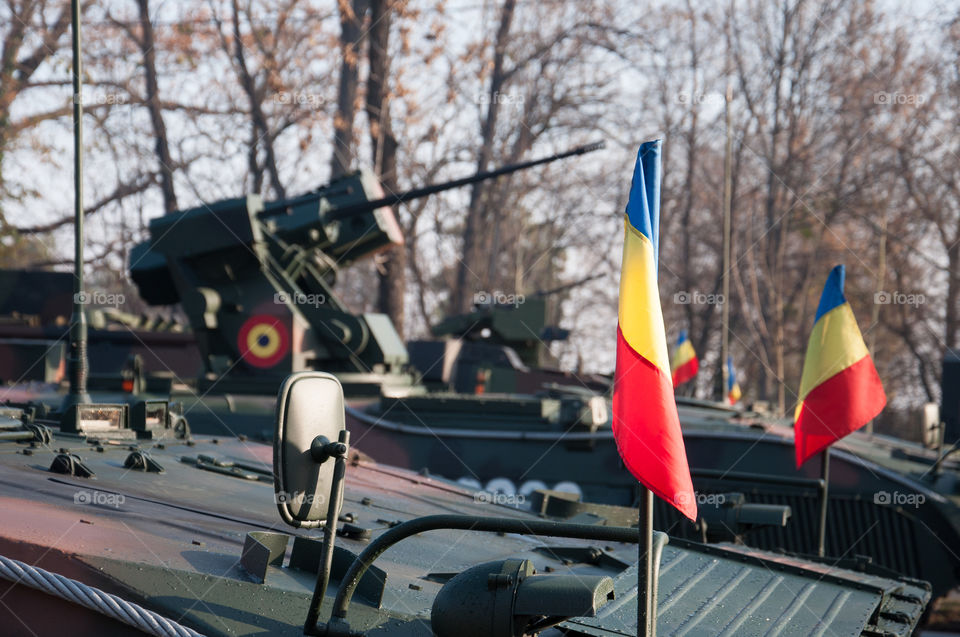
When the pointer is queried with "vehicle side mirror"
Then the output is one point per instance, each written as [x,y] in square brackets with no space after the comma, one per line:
[310,430]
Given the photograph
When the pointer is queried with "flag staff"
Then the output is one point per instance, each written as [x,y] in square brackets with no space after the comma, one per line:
[646,604]
[825,497]
[881,277]
[77,365]
[727,222]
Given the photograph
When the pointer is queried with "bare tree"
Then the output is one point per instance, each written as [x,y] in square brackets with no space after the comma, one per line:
[383,144]
[477,212]
[33,31]
[146,42]
[352,15]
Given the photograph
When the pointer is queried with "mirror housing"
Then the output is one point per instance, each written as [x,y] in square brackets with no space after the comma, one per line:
[310,429]
[507,598]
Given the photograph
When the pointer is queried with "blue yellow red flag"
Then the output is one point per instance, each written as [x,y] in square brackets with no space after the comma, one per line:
[733,387]
[645,421]
[684,365]
[840,390]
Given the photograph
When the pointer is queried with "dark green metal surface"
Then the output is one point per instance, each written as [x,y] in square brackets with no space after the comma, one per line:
[174,542]
[717,595]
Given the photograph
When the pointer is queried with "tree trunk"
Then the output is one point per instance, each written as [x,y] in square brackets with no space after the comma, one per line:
[392,273]
[351,35]
[152,102]
[260,133]
[466,284]
[952,319]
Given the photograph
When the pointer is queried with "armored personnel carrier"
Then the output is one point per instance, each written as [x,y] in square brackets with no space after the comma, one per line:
[501,347]
[890,501]
[35,308]
[116,520]
[123,531]
[247,300]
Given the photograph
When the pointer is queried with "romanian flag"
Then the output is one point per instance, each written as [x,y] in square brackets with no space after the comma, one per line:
[840,390]
[733,387]
[685,364]
[645,422]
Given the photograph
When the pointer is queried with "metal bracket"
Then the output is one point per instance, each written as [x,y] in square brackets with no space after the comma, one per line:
[228,468]
[177,421]
[338,451]
[141,461]
[72,465]
[263,553]
[41,433]
[262,550]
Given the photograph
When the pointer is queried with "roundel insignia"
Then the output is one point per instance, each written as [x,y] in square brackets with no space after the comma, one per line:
[263,340]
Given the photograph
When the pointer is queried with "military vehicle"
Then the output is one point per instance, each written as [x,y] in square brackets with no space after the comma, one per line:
[559,434]
[887,504]
[121,531]
[256,282]
[35,308]
[892,502]
[500,347]
[248,297]
[179,532]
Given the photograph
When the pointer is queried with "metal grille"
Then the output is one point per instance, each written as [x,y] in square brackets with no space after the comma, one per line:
[854,527]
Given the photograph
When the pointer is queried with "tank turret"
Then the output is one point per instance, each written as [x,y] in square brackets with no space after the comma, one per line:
[256,280]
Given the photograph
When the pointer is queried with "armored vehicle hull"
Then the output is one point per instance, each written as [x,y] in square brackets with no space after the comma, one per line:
[884,504]
[201,545]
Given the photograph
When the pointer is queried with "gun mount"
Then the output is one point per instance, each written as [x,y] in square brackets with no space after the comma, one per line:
[256,281]
[499,347]
[522,326]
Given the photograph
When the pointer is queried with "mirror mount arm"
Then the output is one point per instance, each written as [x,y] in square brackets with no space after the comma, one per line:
[322,449]
[338,625]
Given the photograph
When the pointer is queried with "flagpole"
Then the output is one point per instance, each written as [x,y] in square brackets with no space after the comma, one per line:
[646,609]
[77,363]
[825,497]
[881,278]
[727,215]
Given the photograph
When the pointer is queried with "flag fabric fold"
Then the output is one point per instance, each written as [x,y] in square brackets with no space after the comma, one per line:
[646,425]
[684,365]
[733,387]
[840,390]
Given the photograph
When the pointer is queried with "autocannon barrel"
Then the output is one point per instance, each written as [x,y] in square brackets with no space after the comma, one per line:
[426,191]
[346,220]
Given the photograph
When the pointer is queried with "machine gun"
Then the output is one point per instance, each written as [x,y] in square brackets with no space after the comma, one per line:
[256,281]
[500,347]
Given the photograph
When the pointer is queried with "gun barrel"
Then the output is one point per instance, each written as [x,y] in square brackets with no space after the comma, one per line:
[417,193]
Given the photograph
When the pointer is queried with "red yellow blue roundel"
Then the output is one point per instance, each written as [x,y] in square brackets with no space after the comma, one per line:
[263,340]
